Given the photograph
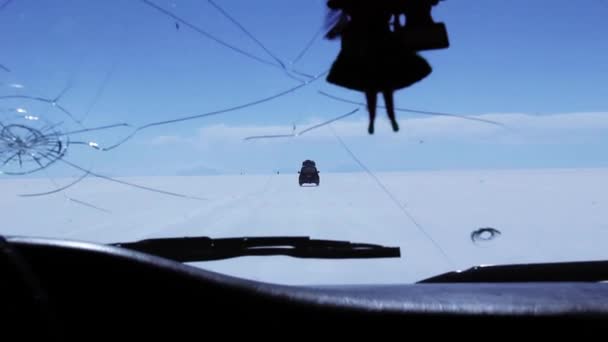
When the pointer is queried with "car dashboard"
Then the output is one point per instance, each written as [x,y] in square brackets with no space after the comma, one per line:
[72,288]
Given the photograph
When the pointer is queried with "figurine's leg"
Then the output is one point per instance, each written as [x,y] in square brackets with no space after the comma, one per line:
[390,108]
[371,108]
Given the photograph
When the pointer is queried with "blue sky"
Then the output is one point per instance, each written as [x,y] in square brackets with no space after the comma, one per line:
[537,66]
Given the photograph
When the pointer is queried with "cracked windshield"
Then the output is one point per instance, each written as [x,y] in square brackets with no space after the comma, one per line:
[461,132]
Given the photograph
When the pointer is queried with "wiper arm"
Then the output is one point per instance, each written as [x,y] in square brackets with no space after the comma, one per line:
[582,271]
[191,249]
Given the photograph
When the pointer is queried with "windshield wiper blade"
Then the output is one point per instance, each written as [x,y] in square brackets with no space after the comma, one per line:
[581,271]
[191,249]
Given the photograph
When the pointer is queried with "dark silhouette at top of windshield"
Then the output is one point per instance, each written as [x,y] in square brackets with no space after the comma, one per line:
[376,58]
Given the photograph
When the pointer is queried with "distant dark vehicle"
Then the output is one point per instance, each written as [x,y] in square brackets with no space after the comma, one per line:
[309,173]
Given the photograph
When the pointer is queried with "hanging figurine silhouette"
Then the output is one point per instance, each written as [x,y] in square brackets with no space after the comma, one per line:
[377,57]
